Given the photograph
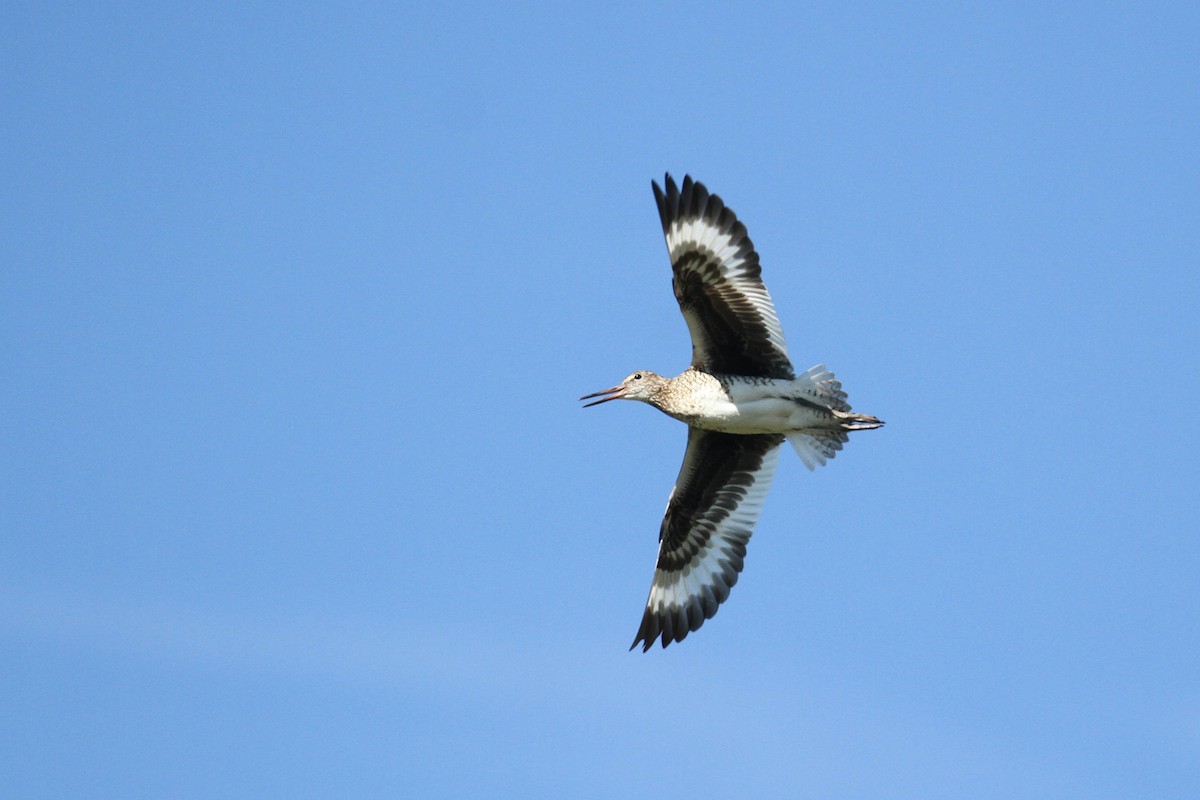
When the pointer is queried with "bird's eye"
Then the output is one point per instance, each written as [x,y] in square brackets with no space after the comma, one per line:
[637,376]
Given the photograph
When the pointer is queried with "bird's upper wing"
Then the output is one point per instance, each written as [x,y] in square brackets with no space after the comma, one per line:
[716,501]
[717,282]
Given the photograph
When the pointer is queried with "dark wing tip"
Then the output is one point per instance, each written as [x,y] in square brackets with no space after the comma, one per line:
[670,627]
[647,632]
[694,201]
[673,625]
[650,629]
[668,200]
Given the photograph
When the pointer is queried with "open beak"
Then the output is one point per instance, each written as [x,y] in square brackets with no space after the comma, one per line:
[615,393]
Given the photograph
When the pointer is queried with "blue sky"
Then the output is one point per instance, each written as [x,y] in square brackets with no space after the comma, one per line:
[297,500]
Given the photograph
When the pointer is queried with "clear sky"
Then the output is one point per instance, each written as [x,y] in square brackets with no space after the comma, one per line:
[297,499]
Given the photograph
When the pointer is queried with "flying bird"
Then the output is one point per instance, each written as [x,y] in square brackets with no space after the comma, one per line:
[740,399]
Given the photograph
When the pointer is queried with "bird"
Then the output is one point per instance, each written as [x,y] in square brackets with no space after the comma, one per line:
[740,398]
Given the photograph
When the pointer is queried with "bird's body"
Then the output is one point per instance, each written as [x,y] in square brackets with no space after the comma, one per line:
[740,399]
[745,404]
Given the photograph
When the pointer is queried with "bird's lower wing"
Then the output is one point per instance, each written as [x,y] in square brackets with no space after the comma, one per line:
[711,513]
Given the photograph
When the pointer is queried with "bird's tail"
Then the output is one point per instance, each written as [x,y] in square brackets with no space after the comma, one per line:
[825,388]
[817,447]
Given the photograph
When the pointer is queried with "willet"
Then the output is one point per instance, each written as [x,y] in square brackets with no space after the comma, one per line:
[740,399]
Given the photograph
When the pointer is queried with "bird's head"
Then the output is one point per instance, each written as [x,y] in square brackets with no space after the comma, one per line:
[641,385]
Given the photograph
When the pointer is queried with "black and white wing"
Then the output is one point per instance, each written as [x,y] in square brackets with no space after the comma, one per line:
[712,511]
[734,327]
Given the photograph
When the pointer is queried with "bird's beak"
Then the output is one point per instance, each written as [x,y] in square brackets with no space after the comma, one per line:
[615,393]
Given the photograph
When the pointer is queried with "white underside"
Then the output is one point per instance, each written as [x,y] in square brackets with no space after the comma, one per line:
[765,415]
